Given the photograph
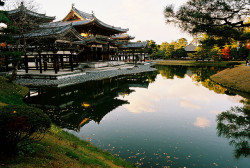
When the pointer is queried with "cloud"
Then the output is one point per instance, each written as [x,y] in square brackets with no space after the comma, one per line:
[147,100]
[185,103]
[140,107]
[138,103]
[202,122]
[235,99]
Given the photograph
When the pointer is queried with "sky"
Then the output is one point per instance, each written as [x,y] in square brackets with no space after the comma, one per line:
[144,18]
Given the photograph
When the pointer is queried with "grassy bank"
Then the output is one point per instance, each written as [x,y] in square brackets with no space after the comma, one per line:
[196,63]
[236,78]
[58,148]
[11,93]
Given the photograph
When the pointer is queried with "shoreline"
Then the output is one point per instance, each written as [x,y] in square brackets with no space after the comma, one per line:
[237,78]
[58,148]
[197,63]
[84,77]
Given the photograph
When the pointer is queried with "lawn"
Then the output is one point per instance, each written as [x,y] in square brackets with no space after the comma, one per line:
[236,78]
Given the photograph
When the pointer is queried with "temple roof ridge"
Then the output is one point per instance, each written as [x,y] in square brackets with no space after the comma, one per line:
[83,14]
[22,8]
[52,31]
[92,17]
[107,25]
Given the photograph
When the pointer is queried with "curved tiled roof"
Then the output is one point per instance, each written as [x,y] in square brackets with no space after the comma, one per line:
[109,26]
[122,37]
[22,8]
[83,14]
[90,18]
[53,31]
[135,45]
[85,22]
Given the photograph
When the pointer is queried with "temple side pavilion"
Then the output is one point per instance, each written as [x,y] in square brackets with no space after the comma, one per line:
[78,38]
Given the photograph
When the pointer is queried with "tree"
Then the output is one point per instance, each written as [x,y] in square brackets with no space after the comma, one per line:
[1,3]
[226,53]
[234,125]
[179,53]
[182,42]
[167,49]
[220,18]
[24,21]
[6,39]
[153,47]
[21,125]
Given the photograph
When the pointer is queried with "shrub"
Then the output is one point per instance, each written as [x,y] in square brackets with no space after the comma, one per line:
[21,125]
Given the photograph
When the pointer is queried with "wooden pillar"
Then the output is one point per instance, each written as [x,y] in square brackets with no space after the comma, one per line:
[109,51]
[36,62]
[144,56]
[71,62]
[96,56]
[45,64]
[123,55]
[61,60]
[126,54]
[92,53]
[102,51]
[55,59]
[40,62]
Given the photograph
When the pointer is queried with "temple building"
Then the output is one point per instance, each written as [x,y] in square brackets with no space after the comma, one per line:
[79,37]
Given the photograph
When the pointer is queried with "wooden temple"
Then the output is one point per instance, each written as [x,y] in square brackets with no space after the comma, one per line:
[79,37]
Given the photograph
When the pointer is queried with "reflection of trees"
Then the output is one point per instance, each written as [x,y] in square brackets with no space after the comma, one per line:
[75,106]
[213,86]
[151,76]
[234,124]
[203,73]
[201,76]
[170,71]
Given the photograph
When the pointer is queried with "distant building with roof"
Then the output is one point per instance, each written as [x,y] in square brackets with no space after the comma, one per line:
[190,48]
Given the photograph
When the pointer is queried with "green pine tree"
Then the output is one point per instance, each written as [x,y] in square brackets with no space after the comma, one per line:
[6,38]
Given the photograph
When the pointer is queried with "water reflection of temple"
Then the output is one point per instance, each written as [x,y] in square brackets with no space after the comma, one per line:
[73,107]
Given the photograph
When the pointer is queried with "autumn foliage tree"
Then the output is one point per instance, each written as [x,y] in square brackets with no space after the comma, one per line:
[226,53]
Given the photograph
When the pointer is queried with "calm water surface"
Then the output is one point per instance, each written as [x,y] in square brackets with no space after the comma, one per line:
[164,118]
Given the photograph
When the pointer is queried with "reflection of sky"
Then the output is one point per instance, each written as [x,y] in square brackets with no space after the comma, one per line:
[183,91]
[202,122]
[171,121]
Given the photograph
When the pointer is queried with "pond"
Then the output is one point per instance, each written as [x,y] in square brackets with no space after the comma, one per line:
[155,119]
